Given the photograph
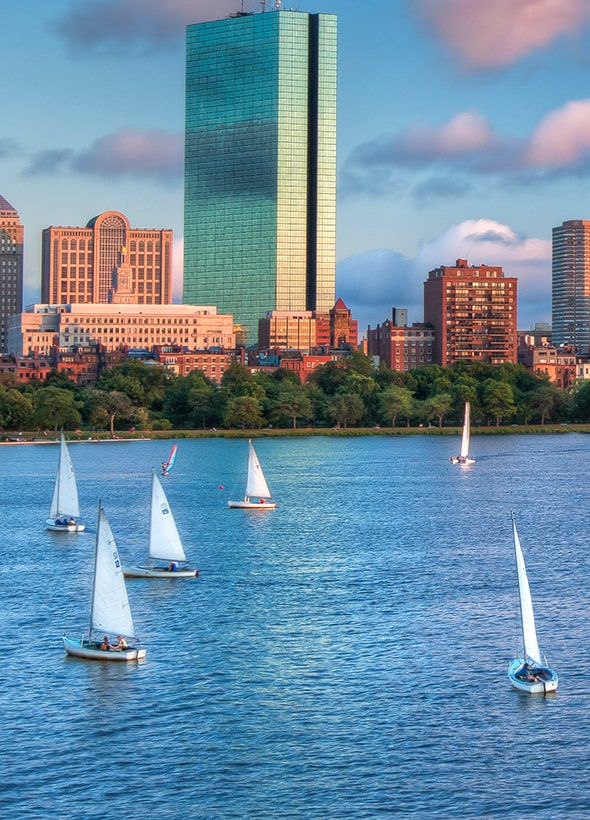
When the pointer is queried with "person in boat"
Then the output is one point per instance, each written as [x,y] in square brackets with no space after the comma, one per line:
[106,643]
[70,521]
[530,675]
[121,643]
[172,566]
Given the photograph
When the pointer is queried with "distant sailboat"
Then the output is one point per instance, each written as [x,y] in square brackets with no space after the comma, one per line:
[257,495]
[464,457]
[64,504]
[110,613]
[169,464]
[529,673]
[164,544]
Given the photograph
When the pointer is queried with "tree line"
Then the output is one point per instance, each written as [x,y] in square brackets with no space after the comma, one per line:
[352,392]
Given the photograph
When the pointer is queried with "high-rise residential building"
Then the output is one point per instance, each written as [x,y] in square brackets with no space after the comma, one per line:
[260,164]
[11,267]
[472,309]
[88,265]
[570,301]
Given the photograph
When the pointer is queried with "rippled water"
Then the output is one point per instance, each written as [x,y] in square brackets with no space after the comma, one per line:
[342,656]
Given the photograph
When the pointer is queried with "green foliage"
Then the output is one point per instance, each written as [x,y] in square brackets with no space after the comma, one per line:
[348,392]
[55,408]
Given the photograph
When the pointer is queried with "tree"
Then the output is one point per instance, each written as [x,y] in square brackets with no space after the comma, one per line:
[346,408]
[103,408]
[55,408]
[544,399]
[497,400]
[16,410]
[393,402]
[292,401]
[243,411]
[438,406]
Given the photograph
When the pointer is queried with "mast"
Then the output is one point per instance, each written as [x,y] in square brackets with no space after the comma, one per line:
[94,573]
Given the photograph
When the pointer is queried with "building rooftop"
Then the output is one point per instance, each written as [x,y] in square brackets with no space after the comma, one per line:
[5,205]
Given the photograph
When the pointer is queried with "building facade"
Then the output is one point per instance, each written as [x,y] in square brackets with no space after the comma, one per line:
[472,310]
[79,265]
[11,267]
[559,364]
[41,327]
[308,330]
[260,165]
[401,346]
[570,291]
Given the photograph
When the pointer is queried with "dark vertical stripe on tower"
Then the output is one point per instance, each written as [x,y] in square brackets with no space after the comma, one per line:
[312,162]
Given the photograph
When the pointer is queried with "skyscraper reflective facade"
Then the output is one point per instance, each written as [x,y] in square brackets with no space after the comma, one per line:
[570,298]
[260,164]
[11,268]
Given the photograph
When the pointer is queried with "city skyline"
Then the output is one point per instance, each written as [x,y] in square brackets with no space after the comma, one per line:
[462,132]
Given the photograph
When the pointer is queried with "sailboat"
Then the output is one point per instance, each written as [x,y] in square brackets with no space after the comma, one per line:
[168,465]
[164,544]
[529,673]
[64,504]
[464,457]
[109,610]
[257,495]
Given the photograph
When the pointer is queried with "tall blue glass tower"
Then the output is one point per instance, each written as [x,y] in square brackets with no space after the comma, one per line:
[260,165]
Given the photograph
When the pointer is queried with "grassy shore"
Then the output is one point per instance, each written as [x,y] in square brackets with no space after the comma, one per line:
[125,435]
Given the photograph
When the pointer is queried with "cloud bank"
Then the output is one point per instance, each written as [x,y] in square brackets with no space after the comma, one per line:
[374,282]
[154,155]
[493,34]
[467,146]
[118,27]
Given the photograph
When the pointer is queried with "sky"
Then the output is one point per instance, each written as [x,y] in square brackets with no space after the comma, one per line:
[463,132]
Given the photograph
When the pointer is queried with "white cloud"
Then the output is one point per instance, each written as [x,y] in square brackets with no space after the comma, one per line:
[372,283]
[562,138]
[490,34]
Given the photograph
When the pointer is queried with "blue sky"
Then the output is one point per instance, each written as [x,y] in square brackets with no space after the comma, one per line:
[463,131]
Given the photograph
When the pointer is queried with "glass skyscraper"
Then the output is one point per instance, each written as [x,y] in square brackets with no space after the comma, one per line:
[570,304]
[260,165]
[11,268]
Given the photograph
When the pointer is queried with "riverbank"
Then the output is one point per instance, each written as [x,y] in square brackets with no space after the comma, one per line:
[166,435]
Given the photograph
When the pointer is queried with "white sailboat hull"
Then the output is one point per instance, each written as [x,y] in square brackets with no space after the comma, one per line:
[247,504]
[462,460]
[51,525]
[93,652]
[159,572]
[517,676]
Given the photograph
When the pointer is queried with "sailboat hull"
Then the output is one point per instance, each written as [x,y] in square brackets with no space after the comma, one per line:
[251,505]
[51,525]
[159,572]
[547,682]
[92,652]
[462,460]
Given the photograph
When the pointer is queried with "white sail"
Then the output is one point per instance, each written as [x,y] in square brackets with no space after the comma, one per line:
[466,432]
[65,492]
[110,612]
[165,541]
[531,646]
[255,482]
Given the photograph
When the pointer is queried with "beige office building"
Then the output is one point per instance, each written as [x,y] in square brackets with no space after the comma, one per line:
[78,263]
[113,326]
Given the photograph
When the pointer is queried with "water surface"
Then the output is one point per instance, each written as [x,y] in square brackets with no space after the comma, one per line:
[343,656]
